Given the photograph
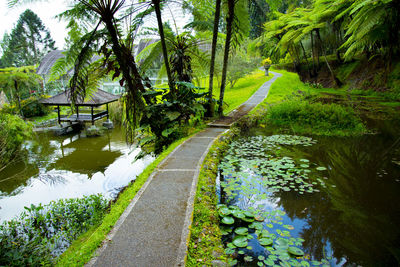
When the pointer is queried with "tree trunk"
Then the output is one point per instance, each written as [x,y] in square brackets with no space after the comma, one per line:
[313,54]
[337,81]
[305,57]
[18,98]
[156,4]
[229,22]
[210,106]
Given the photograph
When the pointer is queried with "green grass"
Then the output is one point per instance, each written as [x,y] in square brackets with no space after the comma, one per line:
[243,90]
[82,249]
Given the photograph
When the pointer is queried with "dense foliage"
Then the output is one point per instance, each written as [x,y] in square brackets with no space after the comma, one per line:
[43,232]
[13,132]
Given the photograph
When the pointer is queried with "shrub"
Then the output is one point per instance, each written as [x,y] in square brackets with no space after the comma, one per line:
[13,132]
[42,233]
[32,108]
[315,118]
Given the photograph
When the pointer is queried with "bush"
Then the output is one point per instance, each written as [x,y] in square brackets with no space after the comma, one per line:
[13,132]
[42,233]
[32,108]
[315,118]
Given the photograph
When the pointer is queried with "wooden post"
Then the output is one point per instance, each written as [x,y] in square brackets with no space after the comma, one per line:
[108,117]
[58,114]
[92,117]
[77,112]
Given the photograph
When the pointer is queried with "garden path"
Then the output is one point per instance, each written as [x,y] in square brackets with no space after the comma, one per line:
[154,229]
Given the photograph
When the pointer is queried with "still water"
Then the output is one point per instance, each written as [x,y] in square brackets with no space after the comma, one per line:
[354,218]
[68,167]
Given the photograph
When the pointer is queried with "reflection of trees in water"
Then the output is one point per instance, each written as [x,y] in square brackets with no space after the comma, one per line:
[360,216]
[52,178]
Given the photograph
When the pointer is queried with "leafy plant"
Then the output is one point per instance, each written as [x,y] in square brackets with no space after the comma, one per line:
[42,233]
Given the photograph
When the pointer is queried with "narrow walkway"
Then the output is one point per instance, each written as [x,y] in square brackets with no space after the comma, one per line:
[154,229]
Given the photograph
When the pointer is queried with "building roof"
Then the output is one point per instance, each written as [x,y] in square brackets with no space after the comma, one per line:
[48,61]
[98,98]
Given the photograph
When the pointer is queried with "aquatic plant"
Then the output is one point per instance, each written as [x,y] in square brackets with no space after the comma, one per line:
[41,233]
[254,169]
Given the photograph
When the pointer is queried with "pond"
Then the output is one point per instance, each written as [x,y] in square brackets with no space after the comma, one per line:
[333,201]
[67,167]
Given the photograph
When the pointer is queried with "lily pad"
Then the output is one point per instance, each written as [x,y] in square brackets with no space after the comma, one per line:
[281,242]
[224,211]
[295,251]
[228,220]
[321,168]
[241,231]
[247,219]
[265,241]
[249,214]
[238,214]
[240,241]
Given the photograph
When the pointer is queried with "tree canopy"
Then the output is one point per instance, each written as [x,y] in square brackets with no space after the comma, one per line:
[28,42]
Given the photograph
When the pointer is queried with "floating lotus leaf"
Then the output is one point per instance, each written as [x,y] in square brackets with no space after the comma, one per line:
[238,214]
[295,251]
[225,230]
[281,242]
[247,219]
[265,241]
[259,218]
[321,168]
[228,220]
[240,241]
[224,212]
[256,225]
[220,206]
[249,214]
[241,231]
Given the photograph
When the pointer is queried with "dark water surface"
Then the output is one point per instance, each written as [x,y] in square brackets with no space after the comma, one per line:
[66,167]
[355,218]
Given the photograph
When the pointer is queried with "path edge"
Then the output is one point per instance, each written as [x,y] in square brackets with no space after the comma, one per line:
[185,237]
[130,207]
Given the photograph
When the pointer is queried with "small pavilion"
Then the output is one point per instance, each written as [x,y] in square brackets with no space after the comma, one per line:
[97,99]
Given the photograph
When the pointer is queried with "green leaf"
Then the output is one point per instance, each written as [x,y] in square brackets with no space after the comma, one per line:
[172,115]
[295,251]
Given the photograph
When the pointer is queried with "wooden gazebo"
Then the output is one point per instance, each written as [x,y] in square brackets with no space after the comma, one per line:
[97,99]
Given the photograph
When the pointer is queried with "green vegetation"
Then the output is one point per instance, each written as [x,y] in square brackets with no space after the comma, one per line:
[303,117]
[82,249]
[13,132]
[42,233]
[243,89]
[205,244]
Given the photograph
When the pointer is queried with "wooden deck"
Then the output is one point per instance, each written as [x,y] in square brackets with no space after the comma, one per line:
[84,117]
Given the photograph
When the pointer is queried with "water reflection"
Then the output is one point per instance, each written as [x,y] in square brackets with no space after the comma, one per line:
[65,167]
[354,219]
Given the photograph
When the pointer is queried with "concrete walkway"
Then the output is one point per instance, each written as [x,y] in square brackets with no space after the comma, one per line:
[154,229]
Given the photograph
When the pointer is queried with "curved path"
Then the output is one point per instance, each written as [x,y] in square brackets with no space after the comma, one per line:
[154,229]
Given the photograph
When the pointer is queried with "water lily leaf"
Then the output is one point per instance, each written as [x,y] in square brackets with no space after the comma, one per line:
[238,214]
[241,231]
[247,219]
[295,251]
[321,168]
[249,214]
[265,241]
[224,212]
[227,220]
[304,160]
[281,242]
[240,241]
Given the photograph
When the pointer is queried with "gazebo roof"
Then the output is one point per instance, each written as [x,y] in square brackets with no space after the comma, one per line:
[48,61]
[98,98]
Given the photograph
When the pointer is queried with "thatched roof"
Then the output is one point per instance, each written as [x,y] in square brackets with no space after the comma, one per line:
[98,98]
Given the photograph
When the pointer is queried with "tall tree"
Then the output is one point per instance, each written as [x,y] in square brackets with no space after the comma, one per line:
[29,42]
[212,62]
[229,25]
